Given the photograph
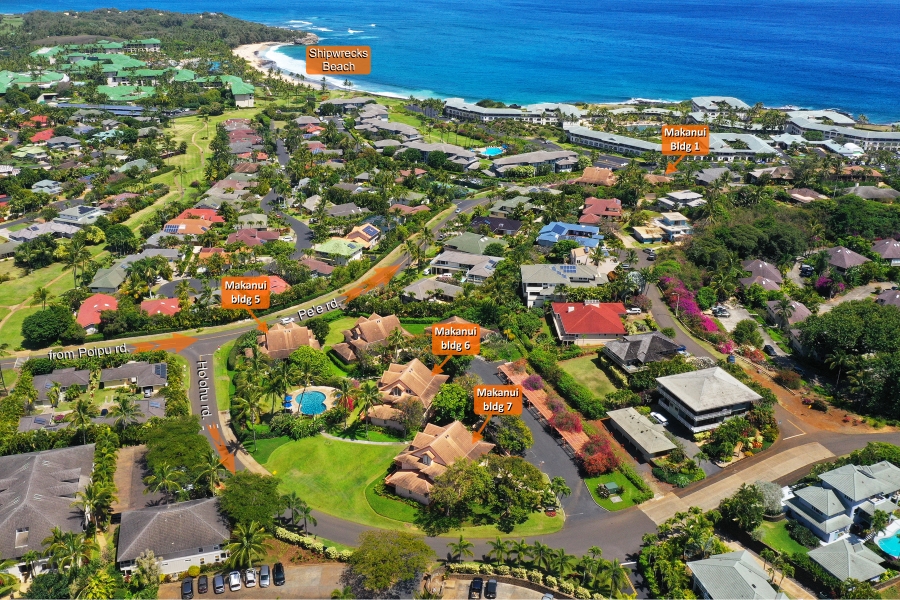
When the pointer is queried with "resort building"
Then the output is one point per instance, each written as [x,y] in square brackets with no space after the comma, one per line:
[732,576]
[713,105]
[844,496]
[588,323]
[467,159]
[429,455]
[702,400]
[648,439]
[558,161]
[634,352]
[367,332]
[541,114]
[869,140]
[282,339]
[474,268]
[472,243]
[181,535]
[401,383]
[612,142]
[338,251]
[37,495]
[760,272]
[841,259]
[586,235]
[539,282]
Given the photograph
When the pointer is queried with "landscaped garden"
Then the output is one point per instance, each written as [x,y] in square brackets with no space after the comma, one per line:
[626,491]
[586,371]
[776,536]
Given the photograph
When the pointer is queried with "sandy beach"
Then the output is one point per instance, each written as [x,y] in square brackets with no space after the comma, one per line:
[255,53]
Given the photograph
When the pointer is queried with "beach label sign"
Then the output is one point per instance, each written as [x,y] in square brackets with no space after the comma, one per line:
[684,140]
[338,60]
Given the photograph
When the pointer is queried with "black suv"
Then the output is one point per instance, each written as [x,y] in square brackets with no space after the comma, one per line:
[202,584]
[490,589]
[278,574]
[187,589]
[475,588]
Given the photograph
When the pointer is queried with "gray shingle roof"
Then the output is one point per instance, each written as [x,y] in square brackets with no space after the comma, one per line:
[171,529]
[828,525]
[844,258]
[733,576]
[845,560]
[861,483]
[644,347]
[821,499]
[708,389]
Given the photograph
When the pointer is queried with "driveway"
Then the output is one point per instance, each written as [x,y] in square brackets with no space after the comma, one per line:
[306,581]
[862,292]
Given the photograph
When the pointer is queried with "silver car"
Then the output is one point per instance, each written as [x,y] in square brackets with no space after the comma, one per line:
[264,578]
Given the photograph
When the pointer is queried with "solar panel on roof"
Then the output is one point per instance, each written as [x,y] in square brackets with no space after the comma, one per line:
[568,268]
[171,229]
[369,230]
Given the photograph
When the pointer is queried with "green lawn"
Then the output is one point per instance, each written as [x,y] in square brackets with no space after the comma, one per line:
[222,376]
[265,448]
[357,431]
[11,333]
[627,492]
[387,507]
[336,330]
[587,372]
[775,535]
[17,291]
[415,328]
[332,476]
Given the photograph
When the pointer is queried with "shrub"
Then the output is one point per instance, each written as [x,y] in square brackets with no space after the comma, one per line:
[788,379]
[533,383]
[486,569]
[535,576]
[519,572]
[502,570]
[597,456]
[567,421]
[582,593]
[551,581]
[193,571]
[802,534]
[819,405]
[332,553]
[566,588]
[669,332]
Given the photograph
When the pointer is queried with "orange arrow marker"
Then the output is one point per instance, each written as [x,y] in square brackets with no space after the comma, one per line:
[382,276]
[436,370]
[177,343]
[672,167]
[476,435]
[262,325]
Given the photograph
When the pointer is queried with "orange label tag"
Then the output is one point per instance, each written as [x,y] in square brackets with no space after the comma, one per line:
[245,292]
[685,139]
[498,400]
[338,60]
[455,345]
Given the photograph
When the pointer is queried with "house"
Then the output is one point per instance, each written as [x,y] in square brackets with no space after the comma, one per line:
[8,249]
[539,282]
[432,290]
[873,192]
[108,281]
[496,225]
[781,175]
[367,235]
[80,215]
[282,339]
[140,164]
[147,378]
[472,243]
[586,235]
[47,186]
[681,199]
[186,227]
[162,306]
[597,210]
[205,214]
[647,234]
[805,195]
[317,267]
[798,313]
[556,161]
[466,159]
[732,576]
[66,378]
[253,221]
[649,439]
[252,237]
[401,383]
[634,352]
[706,177]
[42,137]
[474,268]
[594,176]
[430,453]
[181,535]
[37,494]
[57,230]
[277,285]
[506,208]
[373,330]
[63,142]
[346,210]
[841,259]
[888,297]
[338,252]
[846,561]
[760,272]
[89,312]
[588,323]
[888,250]
[674,226]
[703,399]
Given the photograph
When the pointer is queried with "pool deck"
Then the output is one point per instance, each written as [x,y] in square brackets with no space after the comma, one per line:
[892,530]
[330,396]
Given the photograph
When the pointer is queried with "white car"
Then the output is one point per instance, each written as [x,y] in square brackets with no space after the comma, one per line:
[662,420]
[458,210]
[286,238]
[286,320]
[634,311]
[234,581]
[250,577]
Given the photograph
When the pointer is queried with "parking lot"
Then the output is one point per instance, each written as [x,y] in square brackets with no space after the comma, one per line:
[312,581]
[459,588]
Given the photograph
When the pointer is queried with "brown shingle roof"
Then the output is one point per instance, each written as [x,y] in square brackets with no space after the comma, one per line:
[281,340]
[413,379]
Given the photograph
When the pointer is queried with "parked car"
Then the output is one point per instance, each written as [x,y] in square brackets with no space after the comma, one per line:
[625,266]
[548,597]
[286,320]
[264,576]
[662,420]
[278,574]
[475,588]
[490,589]
[806,270]
[768,349]
[250,577]
[651,257]
[458,210]
[202,584]
[234,581]
[187,589]
[634,311]
[219,584]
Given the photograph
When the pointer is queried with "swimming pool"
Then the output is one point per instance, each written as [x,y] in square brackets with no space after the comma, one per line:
[891,545]
[311,403]
[492,151]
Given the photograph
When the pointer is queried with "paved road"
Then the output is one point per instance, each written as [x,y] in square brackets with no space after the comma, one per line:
[302,232]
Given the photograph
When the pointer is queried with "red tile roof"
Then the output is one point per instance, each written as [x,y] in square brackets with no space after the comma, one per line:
[42,136]
[163,306]
[277,285]
[207,214]
[40,119]
[252,237]
[596,319]
[89,313]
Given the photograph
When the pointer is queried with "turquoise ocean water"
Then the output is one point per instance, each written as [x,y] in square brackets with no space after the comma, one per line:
[840,54]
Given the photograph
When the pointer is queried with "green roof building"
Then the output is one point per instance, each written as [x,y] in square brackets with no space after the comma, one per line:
[338,251]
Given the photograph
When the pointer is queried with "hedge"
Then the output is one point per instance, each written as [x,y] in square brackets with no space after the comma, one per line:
[576,394]
[311,543]
[638,482]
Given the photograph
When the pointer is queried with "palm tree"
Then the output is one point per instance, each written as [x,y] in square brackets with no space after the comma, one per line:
[369,397]
[68,549]
[839,360]
[540,554]
[292,502]
[165,479]
[41,295]
[281,377]
[595,552]
[787,570]
[345,593]
[615,576]
[559,488]
[395,340]
[81,416]
[561,562]
[305,513]
[461,548]
[125,410]
[248,543]
[784,309]
[248,407]
[345,393]
[499,549]
[94,500]
[212,471]
[53,394]
[521,549]
[9,582]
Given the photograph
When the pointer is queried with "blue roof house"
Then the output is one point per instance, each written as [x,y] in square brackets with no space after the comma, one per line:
[586,235]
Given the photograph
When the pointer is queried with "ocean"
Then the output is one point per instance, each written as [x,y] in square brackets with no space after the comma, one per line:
[840,54]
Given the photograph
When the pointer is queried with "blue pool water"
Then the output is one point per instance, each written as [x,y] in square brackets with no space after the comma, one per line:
[492,151]
[311,403]
[891,545]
